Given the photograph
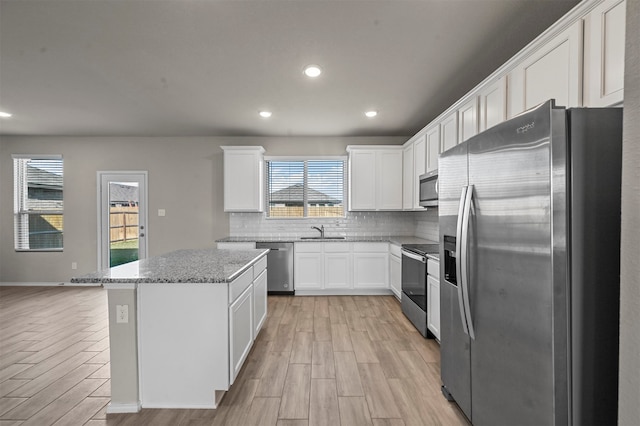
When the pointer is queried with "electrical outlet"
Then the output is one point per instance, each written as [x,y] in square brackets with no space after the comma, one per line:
[122,314]
[74,265]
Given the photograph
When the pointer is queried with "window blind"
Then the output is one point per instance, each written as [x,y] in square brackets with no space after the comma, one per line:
[38,202]
[305,188]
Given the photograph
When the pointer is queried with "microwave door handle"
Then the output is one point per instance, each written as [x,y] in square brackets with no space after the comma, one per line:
[461,209]
[465,259]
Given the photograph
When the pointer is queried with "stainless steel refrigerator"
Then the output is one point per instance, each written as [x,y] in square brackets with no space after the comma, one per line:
[529,215]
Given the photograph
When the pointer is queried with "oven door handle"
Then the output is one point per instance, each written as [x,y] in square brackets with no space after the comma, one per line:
[414,256]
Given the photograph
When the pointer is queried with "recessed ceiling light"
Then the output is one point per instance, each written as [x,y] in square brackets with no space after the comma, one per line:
[312,71]
[371,114]
[5,114]
[265,114]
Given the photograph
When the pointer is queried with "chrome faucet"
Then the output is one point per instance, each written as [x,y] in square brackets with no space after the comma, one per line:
[321,230]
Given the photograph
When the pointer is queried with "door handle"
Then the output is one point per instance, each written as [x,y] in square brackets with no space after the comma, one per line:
[465,259]
[459,251]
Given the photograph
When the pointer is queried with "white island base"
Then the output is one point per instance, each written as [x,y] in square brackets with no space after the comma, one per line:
[183,344]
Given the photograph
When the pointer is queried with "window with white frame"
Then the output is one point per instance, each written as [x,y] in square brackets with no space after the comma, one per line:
[300,188]
[38,202]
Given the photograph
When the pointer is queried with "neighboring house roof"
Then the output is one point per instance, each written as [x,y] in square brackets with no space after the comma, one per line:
[119,193]
[38,178]
[293,194]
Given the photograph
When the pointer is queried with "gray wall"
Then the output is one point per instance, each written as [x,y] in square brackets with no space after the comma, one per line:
[185,178]
[629,406]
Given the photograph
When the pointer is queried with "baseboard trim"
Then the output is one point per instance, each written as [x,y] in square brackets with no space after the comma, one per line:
[123,408]
[48,284]
[349,292]
[170,406]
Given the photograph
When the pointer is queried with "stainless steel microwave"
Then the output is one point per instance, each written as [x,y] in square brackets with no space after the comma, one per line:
[429,189]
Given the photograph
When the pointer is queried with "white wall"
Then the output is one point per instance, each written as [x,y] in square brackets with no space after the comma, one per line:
[629,390]
[185,179]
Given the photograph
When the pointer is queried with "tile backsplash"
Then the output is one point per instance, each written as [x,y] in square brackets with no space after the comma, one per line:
[418,224]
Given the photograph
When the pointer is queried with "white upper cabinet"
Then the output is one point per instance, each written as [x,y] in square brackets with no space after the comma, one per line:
[243,178]
[449,131]
[432,136]
[414,164]
[493,104]
[419,167]
[552,71]
[362,179]
[604,29]
[407,177]
[375,177]
[468,119]
[389,183]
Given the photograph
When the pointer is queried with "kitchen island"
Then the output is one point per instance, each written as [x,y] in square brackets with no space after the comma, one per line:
[181,325]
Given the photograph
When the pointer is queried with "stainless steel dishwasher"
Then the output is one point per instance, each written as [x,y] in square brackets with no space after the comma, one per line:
[279,267]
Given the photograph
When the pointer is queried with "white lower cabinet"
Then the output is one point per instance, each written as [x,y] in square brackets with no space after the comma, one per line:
[340,267]
[240,331]
[194,337]
[395,270]
[308,266]
[370,265]
[259,301]
[433,297]
[337,265]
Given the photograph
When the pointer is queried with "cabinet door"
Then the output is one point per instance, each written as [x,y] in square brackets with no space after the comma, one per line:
[259,302]
[407,177]
[468,120]
[243,179]
[604,54]
[240,331]
[433,306]
[370,270]
[493,104]
[449,131]
[419,167]
[308,271]
[553,71]
[362,178]
[433,147]
[395,275]
[337,270]
[389,183]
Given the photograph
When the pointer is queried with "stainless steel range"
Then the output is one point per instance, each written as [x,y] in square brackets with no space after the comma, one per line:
[414,283]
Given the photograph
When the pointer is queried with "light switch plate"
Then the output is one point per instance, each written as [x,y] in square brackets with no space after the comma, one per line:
[162,212]
[122,314]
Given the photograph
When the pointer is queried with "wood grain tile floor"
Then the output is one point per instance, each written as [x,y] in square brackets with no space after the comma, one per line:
[336,360]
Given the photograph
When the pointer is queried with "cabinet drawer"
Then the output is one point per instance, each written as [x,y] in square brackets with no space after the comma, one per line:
[337,247]
[395,250]
[240,284]
[370,247]
[308,247]
[260,266]
[433,268]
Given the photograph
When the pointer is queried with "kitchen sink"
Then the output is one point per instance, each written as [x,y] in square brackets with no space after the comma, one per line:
[323,238]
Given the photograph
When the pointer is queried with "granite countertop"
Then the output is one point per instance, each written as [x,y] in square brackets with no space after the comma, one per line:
[393,239]
[181,266]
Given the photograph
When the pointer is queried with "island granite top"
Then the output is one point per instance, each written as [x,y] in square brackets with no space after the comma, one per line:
[181,266]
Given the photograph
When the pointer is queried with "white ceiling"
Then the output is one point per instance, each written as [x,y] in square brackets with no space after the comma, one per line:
[185,67]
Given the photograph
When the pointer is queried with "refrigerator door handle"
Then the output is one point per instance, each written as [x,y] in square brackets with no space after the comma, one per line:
[461,209]
[464,277]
